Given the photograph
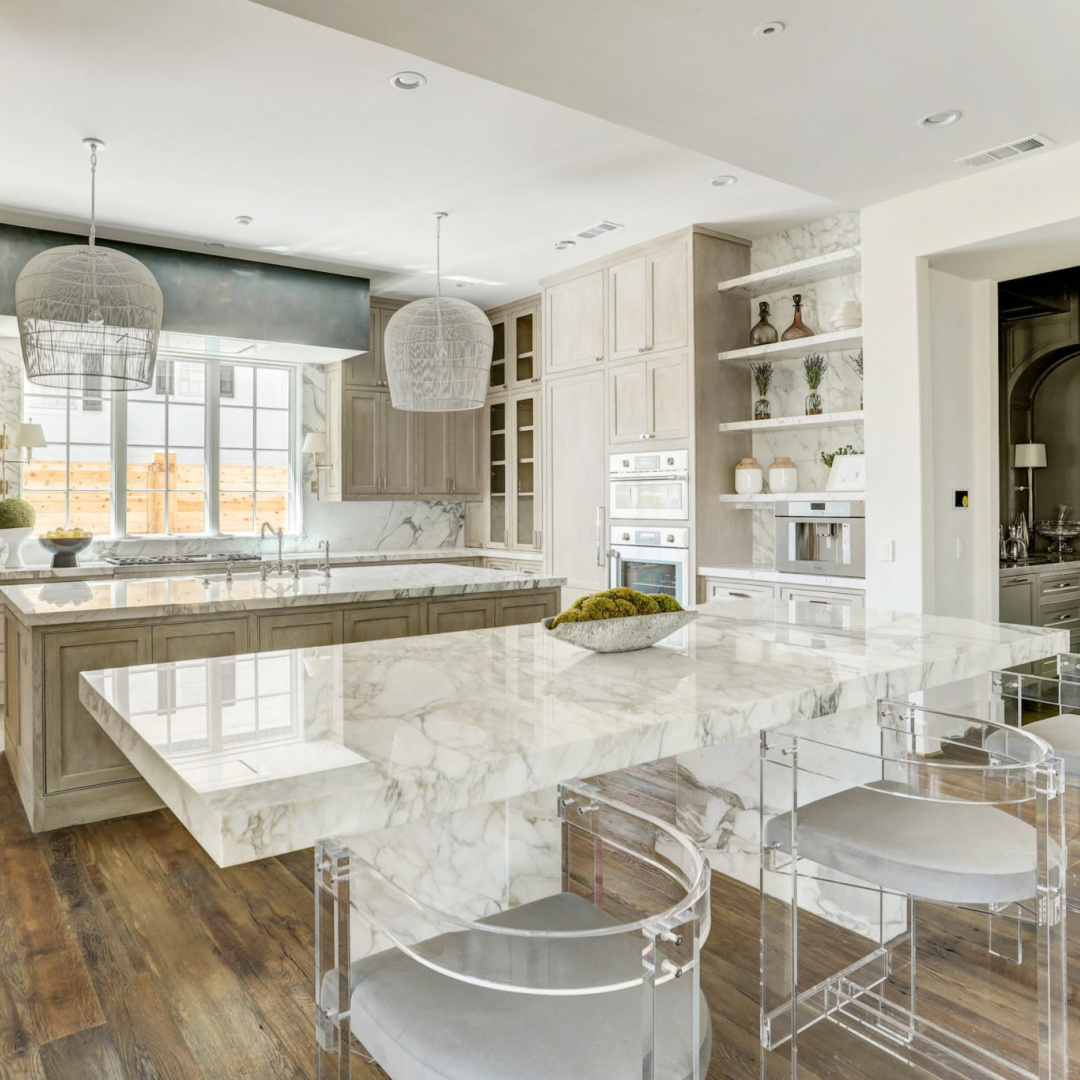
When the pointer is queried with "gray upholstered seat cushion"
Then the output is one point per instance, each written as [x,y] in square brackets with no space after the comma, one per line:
[956,852]
[420,1024]
[1062,732]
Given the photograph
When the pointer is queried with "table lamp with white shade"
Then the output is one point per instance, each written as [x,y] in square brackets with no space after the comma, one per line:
[28,435]
[315,443]
[1029,456]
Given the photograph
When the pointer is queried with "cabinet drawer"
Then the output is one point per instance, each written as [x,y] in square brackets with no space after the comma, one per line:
[718,589]
[1065,586]
[383,623]
[524,608]
[446,616]
[1062,616]
[822,596]
[300,631]
[499,564]
[200,640]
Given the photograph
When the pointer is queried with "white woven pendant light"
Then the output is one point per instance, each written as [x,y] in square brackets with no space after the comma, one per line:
[438,351]
[88,316]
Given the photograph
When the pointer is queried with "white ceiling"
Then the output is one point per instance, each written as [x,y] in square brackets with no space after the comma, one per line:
[829,106]
[214,108]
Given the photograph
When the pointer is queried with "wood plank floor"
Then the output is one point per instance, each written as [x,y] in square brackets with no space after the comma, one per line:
[125,954]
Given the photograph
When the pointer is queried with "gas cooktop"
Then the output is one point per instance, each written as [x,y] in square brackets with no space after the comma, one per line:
[172,560]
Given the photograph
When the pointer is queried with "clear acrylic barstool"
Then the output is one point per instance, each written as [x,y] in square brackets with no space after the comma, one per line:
[1044,699]
[574,952]
[947,819]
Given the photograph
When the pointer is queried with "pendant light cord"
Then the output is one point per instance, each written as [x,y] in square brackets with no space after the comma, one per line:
[93,194]
[438,256]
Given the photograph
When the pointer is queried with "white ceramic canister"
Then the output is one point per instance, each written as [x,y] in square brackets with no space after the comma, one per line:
[783,476]
[749,478]
[847,316]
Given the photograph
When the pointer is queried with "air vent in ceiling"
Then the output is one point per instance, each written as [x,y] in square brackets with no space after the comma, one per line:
[1007,151]
[601,228]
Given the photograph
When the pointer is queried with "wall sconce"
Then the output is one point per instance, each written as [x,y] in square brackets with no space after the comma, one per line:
[28,435]
[1030,456]
[315,444]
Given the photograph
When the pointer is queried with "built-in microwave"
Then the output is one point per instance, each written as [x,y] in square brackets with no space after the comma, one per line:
[827,537]
[650,486]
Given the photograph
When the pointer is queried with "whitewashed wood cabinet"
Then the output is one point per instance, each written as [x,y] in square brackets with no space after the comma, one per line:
[650,399]
[649,302]
[574,325]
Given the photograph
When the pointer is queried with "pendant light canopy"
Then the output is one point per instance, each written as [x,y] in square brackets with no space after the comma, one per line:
[89,316]
[438,351]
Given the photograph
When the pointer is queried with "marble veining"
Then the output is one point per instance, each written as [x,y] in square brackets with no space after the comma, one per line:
[81,602]
[449,721]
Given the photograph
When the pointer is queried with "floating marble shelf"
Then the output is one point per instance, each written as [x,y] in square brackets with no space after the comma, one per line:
[789,350]
[795,496]
[821,420]
[780,278]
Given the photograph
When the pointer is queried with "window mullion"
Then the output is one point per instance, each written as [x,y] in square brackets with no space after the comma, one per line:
[118,482]
[211,454]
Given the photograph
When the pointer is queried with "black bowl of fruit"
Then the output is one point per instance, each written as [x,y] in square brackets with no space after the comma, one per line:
[64,545]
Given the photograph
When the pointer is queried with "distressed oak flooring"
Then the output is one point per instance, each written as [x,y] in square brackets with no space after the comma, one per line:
[125,954]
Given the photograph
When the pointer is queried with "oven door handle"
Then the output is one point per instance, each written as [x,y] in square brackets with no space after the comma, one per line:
[599,536]
[616,576]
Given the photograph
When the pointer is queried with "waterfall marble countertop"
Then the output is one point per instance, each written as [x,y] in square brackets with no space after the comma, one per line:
[263,754]
[81,602]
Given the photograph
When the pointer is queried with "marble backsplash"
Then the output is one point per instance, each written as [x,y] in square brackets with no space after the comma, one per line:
[349,526]
[841,388]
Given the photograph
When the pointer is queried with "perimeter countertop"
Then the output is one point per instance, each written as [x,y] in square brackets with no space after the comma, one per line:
[71,602]
[352,738]
[762,572]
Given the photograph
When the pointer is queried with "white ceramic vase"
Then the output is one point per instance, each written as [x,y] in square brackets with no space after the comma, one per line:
[847,316]
[14,538]
[749,479]
[783,476]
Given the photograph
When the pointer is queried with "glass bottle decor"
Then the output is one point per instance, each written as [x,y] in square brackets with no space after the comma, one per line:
[814,366]
[762,373]
[797,329]
[763,332]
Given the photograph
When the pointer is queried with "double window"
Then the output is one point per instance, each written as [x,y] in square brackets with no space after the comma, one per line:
[208,448]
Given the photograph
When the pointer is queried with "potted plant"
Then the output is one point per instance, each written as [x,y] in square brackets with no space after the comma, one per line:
[17,519]
[857,363]
[762,380]
[815,365]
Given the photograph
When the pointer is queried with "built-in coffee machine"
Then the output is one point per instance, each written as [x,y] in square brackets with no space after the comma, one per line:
[821,538]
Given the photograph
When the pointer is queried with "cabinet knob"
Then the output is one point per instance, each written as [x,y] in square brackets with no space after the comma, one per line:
[598,359]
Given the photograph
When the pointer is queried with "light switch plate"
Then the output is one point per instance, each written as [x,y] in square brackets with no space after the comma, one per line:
[888,550]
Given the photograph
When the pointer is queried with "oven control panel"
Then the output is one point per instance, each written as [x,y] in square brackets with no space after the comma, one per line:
[635,536]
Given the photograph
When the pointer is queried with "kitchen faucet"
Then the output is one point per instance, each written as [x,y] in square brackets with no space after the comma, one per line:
[326,565]
[279,567]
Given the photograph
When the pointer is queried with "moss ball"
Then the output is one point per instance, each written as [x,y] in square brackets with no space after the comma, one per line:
[570,615]
[16,514]
[643,605]
[599,607]
[666,603]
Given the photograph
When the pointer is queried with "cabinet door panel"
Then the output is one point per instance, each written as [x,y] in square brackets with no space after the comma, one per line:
[629,403]
[383,623]
[669,398]
[524,608]
[574,327]
[194,641]
[575,480]
[718,589]
[465,430]
[627,303]
[299,631]
[669,315]
[78,753]
[434,467]
[447,616]
[360,442]
[365,370]
[822,596]
[398,472]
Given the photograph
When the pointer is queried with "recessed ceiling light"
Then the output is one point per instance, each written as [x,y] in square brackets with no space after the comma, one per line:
[562,245]
[940,119]
[408,80]
[243,219]
[723,181]
[214,243]
[279,249]
[769,29]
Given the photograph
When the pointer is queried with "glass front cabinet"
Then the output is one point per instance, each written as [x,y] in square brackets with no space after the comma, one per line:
[513,518]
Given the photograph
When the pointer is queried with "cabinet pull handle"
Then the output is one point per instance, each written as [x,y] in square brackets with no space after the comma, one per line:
[1065,617]
[817,601]
[1064,585]
[600,536]
[742,595]
[598,359]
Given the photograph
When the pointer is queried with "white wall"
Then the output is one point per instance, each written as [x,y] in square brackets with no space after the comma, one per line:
[900,238]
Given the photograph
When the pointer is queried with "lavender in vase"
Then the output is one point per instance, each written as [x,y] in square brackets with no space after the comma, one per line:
[814,366]
[762,373]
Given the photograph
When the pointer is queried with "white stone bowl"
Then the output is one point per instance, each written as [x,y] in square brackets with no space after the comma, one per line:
[626,633]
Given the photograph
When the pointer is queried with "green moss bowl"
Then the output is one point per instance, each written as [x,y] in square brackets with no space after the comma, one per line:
[626,634]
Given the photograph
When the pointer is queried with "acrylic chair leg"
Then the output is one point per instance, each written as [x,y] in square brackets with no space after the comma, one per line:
[1006,939]
[1051,907]
[648,1009]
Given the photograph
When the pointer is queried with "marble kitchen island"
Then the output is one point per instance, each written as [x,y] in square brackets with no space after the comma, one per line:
[66,769]
[262,755]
